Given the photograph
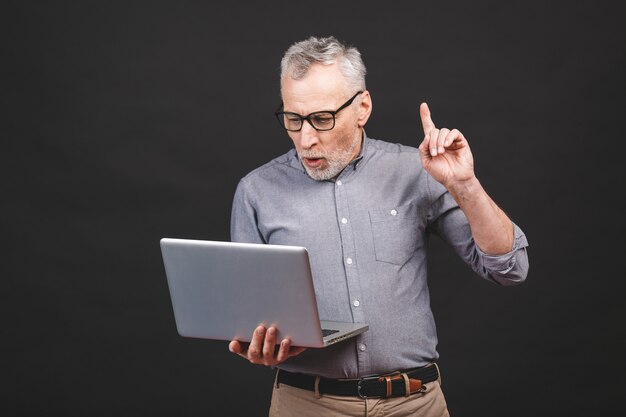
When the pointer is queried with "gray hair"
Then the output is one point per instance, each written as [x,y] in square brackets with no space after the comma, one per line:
[300,56]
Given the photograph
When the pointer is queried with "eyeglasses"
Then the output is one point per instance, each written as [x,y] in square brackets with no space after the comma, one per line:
[319,120]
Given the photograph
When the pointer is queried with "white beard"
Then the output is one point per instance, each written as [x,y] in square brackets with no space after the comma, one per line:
[337,160]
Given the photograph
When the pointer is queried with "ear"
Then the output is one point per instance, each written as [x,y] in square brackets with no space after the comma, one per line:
[365,108]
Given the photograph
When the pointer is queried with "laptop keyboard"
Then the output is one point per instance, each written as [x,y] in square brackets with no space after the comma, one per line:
[326,332]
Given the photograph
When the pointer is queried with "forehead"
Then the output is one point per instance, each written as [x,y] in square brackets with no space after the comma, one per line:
[322,88]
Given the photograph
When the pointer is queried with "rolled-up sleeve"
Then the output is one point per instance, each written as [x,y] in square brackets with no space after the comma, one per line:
[449,222]
[509,268]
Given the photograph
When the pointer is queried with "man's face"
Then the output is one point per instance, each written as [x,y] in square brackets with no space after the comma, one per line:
[325,154]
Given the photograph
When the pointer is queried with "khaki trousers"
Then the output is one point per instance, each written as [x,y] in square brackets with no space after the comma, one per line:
[288,401]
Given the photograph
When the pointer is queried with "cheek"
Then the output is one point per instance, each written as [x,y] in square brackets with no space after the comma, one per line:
[341,139]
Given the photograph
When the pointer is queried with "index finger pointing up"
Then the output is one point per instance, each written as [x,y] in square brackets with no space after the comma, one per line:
[427,122]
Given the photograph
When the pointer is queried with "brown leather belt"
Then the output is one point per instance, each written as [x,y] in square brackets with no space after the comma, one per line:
[397,384]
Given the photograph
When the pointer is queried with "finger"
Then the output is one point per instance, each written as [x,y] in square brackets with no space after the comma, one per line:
[432,145]
[286,351]
[443,133]
[283,351]
[451,137]
[427,121]
[454,139]
[269,344]
[235,347]
[257,342]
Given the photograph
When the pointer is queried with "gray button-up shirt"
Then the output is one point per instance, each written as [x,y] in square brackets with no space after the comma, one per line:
[367,235]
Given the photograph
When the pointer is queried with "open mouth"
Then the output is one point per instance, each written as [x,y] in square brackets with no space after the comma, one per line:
[313,162]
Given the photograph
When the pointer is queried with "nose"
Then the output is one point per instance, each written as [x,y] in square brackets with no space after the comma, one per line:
[308,135]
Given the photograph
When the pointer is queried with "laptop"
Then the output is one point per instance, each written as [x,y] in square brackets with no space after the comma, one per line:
[224,290]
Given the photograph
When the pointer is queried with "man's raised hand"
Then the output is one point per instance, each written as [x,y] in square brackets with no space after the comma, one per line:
[445,153]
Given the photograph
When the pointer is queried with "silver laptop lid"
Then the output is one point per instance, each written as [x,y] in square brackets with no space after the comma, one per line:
[224,290]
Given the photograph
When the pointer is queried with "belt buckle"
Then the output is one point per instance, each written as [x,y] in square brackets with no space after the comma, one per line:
[366,378]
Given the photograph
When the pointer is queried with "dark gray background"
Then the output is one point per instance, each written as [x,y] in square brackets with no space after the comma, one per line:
[123,122]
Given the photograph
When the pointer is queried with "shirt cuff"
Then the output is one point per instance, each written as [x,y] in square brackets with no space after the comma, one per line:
[505,262]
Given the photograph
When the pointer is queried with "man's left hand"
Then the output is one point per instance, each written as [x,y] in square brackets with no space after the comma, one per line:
[445,153]
[262,349]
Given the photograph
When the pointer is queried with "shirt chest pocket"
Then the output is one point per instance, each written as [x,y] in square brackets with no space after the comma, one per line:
[395,231]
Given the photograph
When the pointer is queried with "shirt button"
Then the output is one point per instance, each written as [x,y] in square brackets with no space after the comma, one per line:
[356,303]
[362,347]
[349,261]
[344,220]
[339,182]
[393,212]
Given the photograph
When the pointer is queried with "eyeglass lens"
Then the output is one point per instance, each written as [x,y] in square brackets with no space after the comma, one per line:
[320,121]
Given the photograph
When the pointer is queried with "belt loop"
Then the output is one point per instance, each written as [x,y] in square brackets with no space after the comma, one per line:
[317,388]
[438,372]
[407,385]
[276,383]
[389,387]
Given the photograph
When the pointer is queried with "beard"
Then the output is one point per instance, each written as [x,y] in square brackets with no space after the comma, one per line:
[336,161]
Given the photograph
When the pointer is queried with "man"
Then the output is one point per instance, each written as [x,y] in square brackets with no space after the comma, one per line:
[364,209]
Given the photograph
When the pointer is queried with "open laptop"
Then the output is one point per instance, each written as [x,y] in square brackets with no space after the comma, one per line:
[224,290]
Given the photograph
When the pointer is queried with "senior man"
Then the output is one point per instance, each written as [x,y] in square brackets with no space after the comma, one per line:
[364,209]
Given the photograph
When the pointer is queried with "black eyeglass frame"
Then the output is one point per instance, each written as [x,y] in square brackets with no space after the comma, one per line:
[281,114]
